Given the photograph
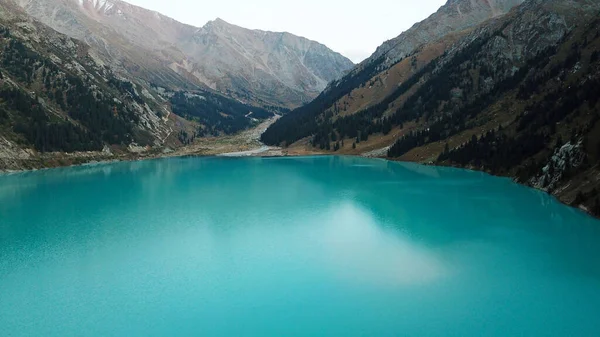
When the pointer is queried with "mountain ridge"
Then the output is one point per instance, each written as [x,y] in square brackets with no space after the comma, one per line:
[252,68]
[515,95]
[448,19]
[60,104]
[340,92]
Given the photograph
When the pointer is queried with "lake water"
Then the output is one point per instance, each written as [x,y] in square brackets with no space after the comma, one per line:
[314,246]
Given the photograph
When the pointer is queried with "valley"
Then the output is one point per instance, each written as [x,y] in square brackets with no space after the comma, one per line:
[508,87]
[73,92]
[162,178]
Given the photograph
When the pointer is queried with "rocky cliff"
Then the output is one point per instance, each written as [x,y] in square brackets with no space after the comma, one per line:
[454,16]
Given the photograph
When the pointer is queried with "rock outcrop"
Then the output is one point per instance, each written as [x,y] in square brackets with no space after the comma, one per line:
[454,16]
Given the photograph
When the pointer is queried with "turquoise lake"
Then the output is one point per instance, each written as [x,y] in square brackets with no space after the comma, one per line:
[312,246]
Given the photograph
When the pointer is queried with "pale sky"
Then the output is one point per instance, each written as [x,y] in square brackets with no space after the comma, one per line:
[354,29]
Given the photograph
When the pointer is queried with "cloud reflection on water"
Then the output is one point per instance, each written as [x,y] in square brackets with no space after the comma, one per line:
[357,248]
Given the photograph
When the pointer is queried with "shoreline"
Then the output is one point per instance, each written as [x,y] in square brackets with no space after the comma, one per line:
[264,152]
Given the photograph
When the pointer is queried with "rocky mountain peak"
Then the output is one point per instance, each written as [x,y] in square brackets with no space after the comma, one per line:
[218,22]
[270,68]
[220,26]
[97,5]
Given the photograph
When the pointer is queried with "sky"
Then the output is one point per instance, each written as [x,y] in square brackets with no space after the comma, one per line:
[354,29]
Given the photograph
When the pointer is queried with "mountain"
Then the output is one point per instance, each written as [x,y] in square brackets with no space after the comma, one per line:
[61,104]
[384,70]
[84,80]
[516,95]
[238,58]
[263,68]
[454,16]
[54,97]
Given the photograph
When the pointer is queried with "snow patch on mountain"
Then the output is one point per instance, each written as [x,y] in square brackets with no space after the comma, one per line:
[98,5]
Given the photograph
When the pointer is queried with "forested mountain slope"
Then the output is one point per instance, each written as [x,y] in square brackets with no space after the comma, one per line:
[516,96]
[56,97]
[393,63]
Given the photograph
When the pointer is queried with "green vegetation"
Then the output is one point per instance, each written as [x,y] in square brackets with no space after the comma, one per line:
[518,107]
[217,113]
[99,117]
[76,105]
[305,121]
[37,128]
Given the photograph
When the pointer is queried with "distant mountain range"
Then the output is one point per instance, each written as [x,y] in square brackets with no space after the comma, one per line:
[257,67]
[105,78]
[505,86]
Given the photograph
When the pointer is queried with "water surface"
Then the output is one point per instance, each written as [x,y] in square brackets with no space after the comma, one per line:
[315,246]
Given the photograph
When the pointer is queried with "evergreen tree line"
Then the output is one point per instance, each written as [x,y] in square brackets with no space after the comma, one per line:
[533,83]
[368,121]
[45,135]
[435,101]
[303,121]
[103,118]
[454,118]
[501,151]
[217,113]
[549,111]
[496,152]
[126,87]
